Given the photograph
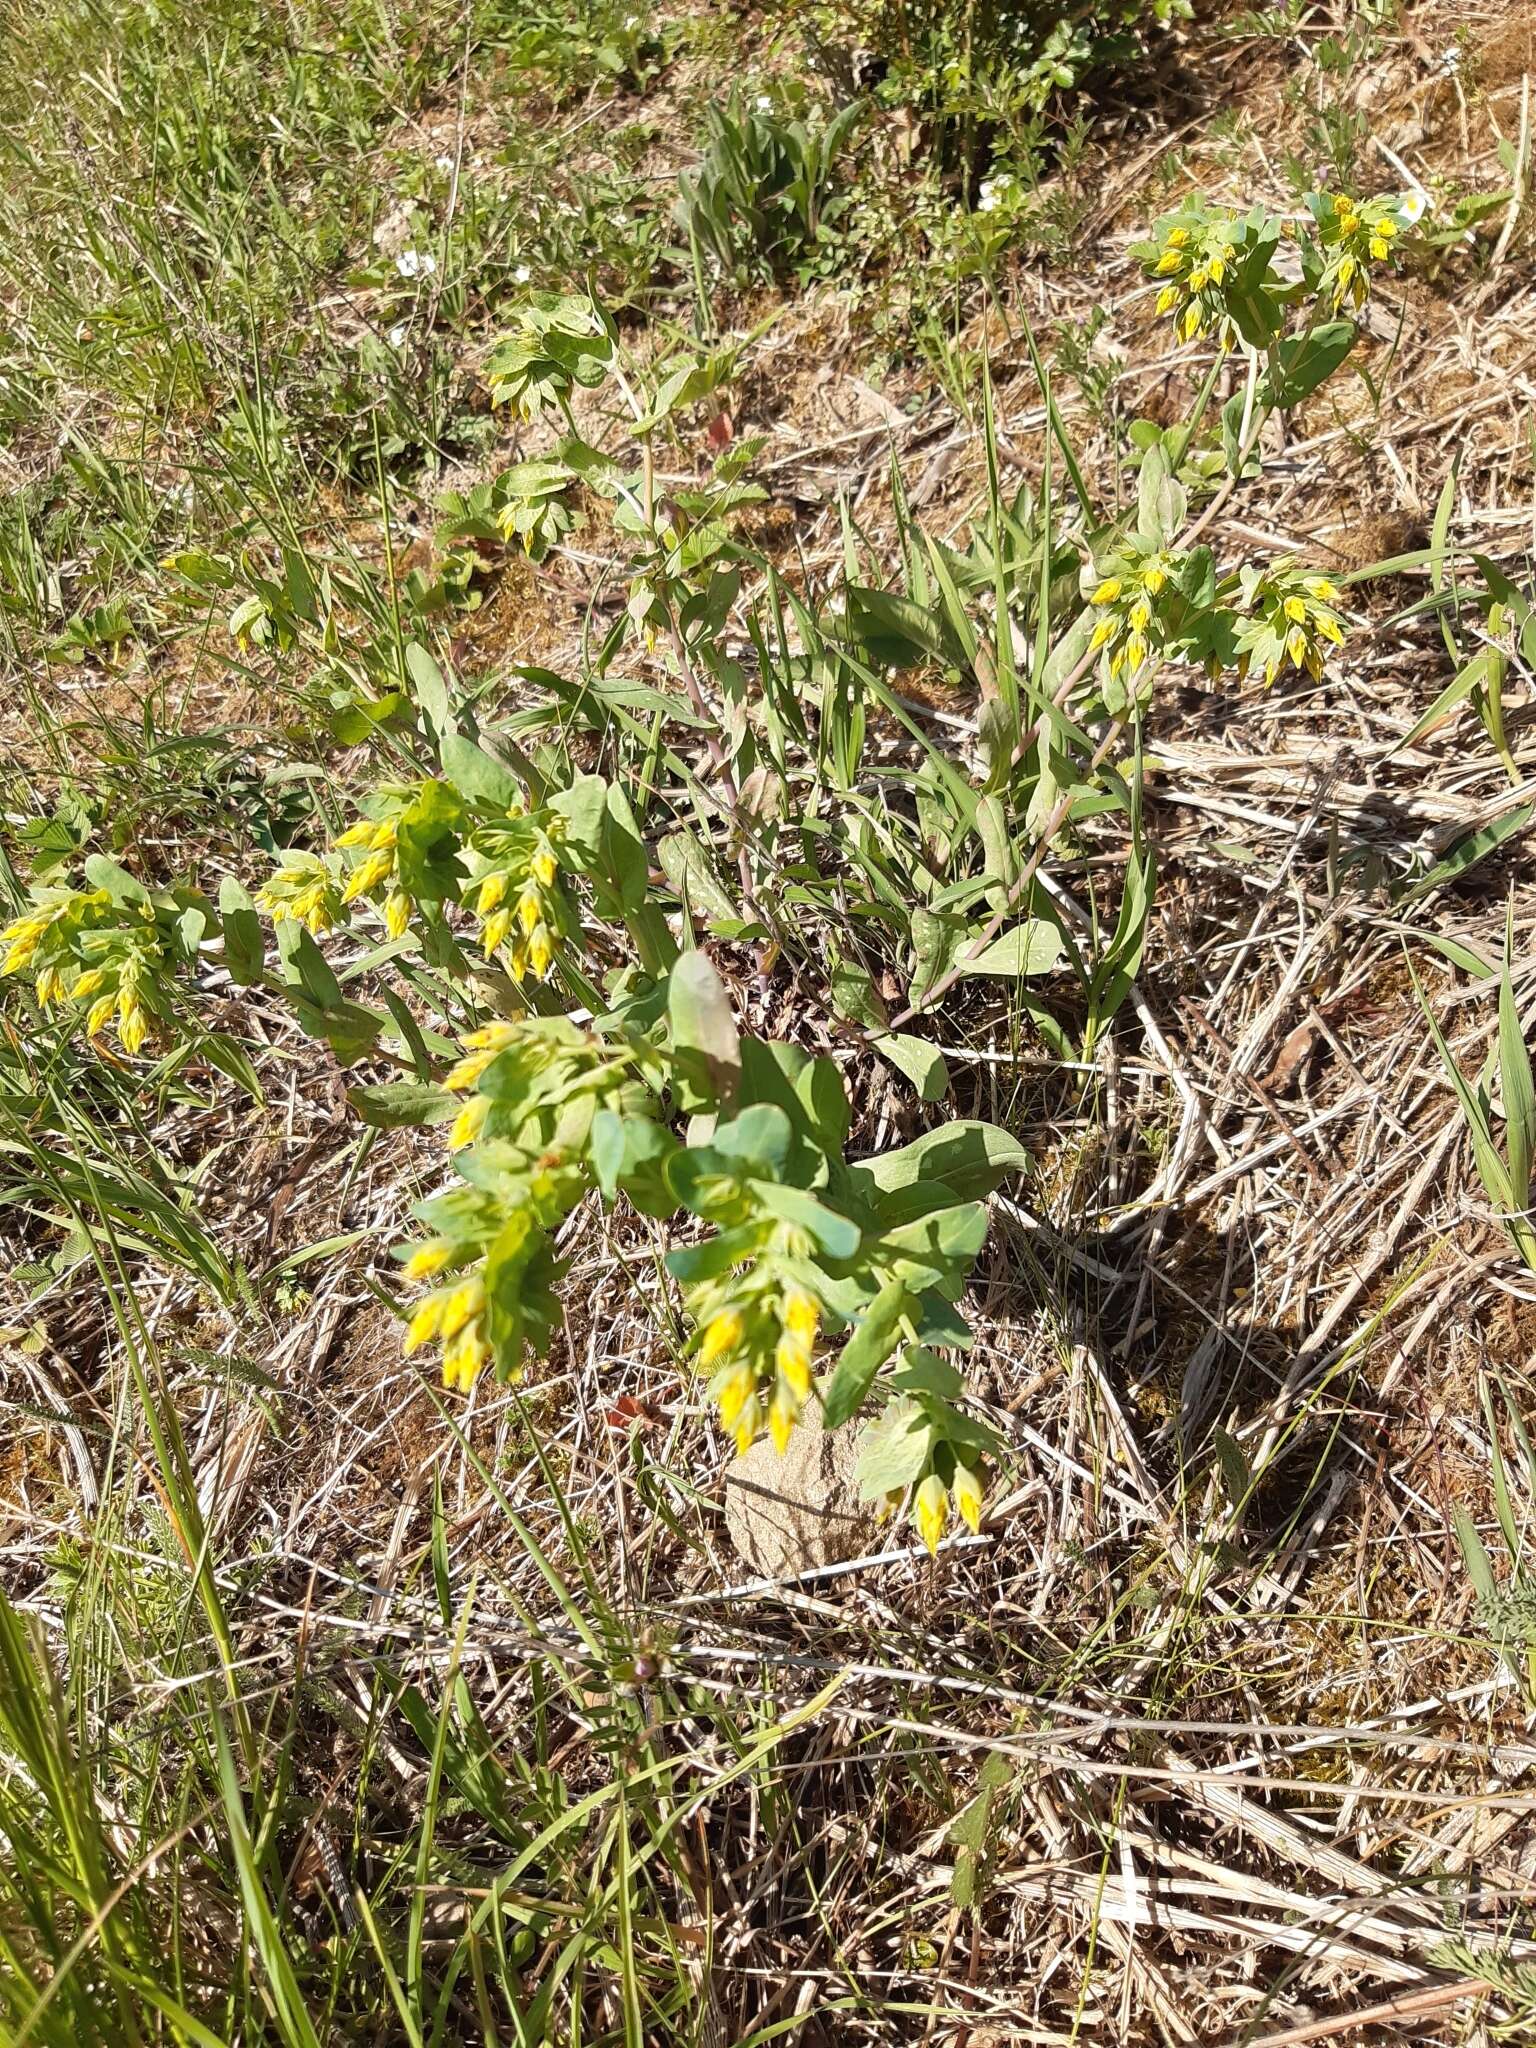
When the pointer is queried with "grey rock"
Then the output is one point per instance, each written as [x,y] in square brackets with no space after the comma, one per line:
[793,1514]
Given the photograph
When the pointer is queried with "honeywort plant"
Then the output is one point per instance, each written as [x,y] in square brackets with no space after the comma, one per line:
[500,875]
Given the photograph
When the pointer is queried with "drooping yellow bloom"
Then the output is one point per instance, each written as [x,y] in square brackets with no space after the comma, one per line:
[1141,615]
[50,986]
[428,1259]
[1152,579]
[397,913]
[966,1488]
[530,908]
[100,1014]
[1107,591]
[1295,609]
[133,1025]
[494,937]
[426,1320]
[1167,298]
[1296,646]
[469,1123]
[87,984]
[724,1333]
[930,1509]
[492,889]
[781,1421]
[541,952]
[462,1304]
[544,867]
[464,1357]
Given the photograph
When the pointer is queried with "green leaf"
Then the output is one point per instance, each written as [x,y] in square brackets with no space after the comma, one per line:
[865,1352]
[431,692]
[691,872]
[245,949]
[894,1450]
[704,1030]
[969,1159]
[402,1105]
[1033,947]
[838,1236]
[1307,361]
[921,1063]
[471,769]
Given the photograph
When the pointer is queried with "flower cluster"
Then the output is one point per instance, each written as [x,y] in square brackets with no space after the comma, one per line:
[81,944]
[376,874]
[1353,234]
[1193,255]
[303,891]
[758,1337]
[1127,605]
[515,890]
[930,1503]
[1286,614]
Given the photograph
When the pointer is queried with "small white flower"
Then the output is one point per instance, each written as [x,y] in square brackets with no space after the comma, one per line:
[1450,60]
[396,336]
[415,263]
[1414,205]
[622,219]
[444,163]
[522,274]
[764,103]
[631,23]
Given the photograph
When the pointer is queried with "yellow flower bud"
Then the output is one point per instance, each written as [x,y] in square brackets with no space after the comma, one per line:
[462,1304]
[541,953]
[87,984]
[724,1333]
[930,1510]
[738,1387]
[397,913]
[428,1258]
[1168,298]
[360,834]
[133,1025]
[1296,646]
[492,889]
[1295,610]
[966,1488]
[1379,248]
[1141,615]
[544,867]
[530,908]
[1103,631]
[426,1319]
[464,1355]
[469,1123]
[1153,579]
[497,926]
[50,986]
[100,1014]
[781,1422]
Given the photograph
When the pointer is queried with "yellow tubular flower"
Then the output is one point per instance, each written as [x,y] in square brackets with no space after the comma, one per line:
[100,1014]
[738,1388]
[497,926]
[462,1304]
[724,1333]
[544,867]
[133,1025]
[1170,260]
[492,1037]
[492,889]
[428,1259]
[397,913]
[541,953]
[1107,591]
[930,1509]
[1104,630]
[426,1320]
[966,1488]
[50,986]
[1167,298]
[781,1421]
[360,834]
[464,1356]
[1296,646]
[1135,650]
[1379,249]
[87,984]
[469,1123]
[1141,615]
[530,908]
[1295,610]
[1152,579]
